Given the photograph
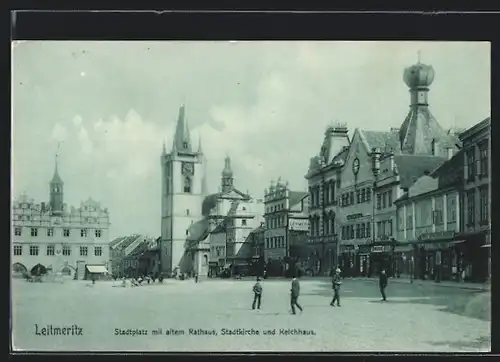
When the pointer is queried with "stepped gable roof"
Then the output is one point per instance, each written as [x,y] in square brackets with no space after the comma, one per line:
[296,196]
[411,167]
[386,141]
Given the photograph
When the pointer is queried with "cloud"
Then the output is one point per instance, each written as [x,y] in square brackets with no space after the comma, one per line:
[59,133]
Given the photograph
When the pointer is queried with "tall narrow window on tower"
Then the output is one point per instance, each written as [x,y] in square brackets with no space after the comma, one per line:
[187,185]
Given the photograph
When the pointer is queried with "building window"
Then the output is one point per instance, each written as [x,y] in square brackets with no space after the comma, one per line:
[389,198]
[185,145]
[98,251]
[34,232]
[84,251]
[368,230]
[471,163]
[362,231]
[18,250]
[389,228]
[379,201]
[470,207]
[18,231]
[66,232]
[483,158]
[384,200]
[50,232]
[50,249]
[326,194]
[409,222]
[187,212]
[358,196]
[66,250]
[243,222]
[379,229]
[368,194]
[332,226]
[83,233]
[187,185]
[352,231]
[33,249]
[451,208]
[358,230]
[351,198]
[363,195]
[483,205]
[98,233]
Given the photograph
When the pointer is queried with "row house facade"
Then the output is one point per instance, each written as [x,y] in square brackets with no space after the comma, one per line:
[476,205]
[324,181]
[286,227]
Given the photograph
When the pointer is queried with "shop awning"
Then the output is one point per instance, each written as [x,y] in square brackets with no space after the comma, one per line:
[97,269]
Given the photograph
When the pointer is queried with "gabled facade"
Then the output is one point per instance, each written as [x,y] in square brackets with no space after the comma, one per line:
[324,182]
[61,238]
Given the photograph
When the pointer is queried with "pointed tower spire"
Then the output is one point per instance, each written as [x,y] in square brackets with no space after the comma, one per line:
[182,139]
[164,148]
[199,145]
[227,175]
[56,188]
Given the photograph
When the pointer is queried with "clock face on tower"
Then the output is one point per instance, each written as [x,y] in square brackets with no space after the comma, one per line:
[355,166]
[187,168]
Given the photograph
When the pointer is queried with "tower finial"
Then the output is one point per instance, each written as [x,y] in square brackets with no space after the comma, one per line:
[419,55]
[57,153]
[199,144]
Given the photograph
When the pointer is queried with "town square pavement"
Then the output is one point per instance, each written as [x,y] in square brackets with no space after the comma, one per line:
[414,319]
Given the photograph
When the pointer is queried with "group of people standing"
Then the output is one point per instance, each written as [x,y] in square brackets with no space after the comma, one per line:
[295,291]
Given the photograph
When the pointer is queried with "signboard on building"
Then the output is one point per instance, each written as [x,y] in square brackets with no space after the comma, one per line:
[440,235]
[380,248]
[298,224]
[354,216]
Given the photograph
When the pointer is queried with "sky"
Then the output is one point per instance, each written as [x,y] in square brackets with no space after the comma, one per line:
[111,105]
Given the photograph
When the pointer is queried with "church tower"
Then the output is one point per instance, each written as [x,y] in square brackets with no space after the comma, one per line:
[183,181]
[56,186]
[420,133]
[227,176]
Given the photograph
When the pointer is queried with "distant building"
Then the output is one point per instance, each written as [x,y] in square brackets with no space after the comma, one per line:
[66,240]
[124,262]
[183,191]
[286,218]
[231,216]
[323,178]
[476,205]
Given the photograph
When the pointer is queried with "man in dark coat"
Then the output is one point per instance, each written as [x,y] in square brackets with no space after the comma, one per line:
[257,294]
[336,282]
[294,296]
[383,283]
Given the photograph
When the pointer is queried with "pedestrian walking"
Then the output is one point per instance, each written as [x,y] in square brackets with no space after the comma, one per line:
[294,296]
[336,282]
[196,278]
[257,294]
[383,283]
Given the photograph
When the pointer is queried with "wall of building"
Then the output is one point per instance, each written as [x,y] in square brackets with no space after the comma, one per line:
[77,235]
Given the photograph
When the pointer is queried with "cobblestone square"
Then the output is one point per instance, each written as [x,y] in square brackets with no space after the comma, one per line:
[414,318]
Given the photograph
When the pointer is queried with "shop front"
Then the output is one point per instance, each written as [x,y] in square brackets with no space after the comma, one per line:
[476,256]
[213,269]
[403,259]
[381,257]
[363,260]
[348,261]
[440,256]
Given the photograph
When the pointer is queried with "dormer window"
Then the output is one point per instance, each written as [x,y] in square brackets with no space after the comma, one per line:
[185,144]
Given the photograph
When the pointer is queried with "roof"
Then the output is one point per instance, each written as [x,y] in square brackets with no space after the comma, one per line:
[295,197]
[418,131]
[470,132]
[412,167]
[56,179]
[116,241]
[386,141]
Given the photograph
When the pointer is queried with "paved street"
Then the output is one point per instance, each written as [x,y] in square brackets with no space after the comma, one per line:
[415,318]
